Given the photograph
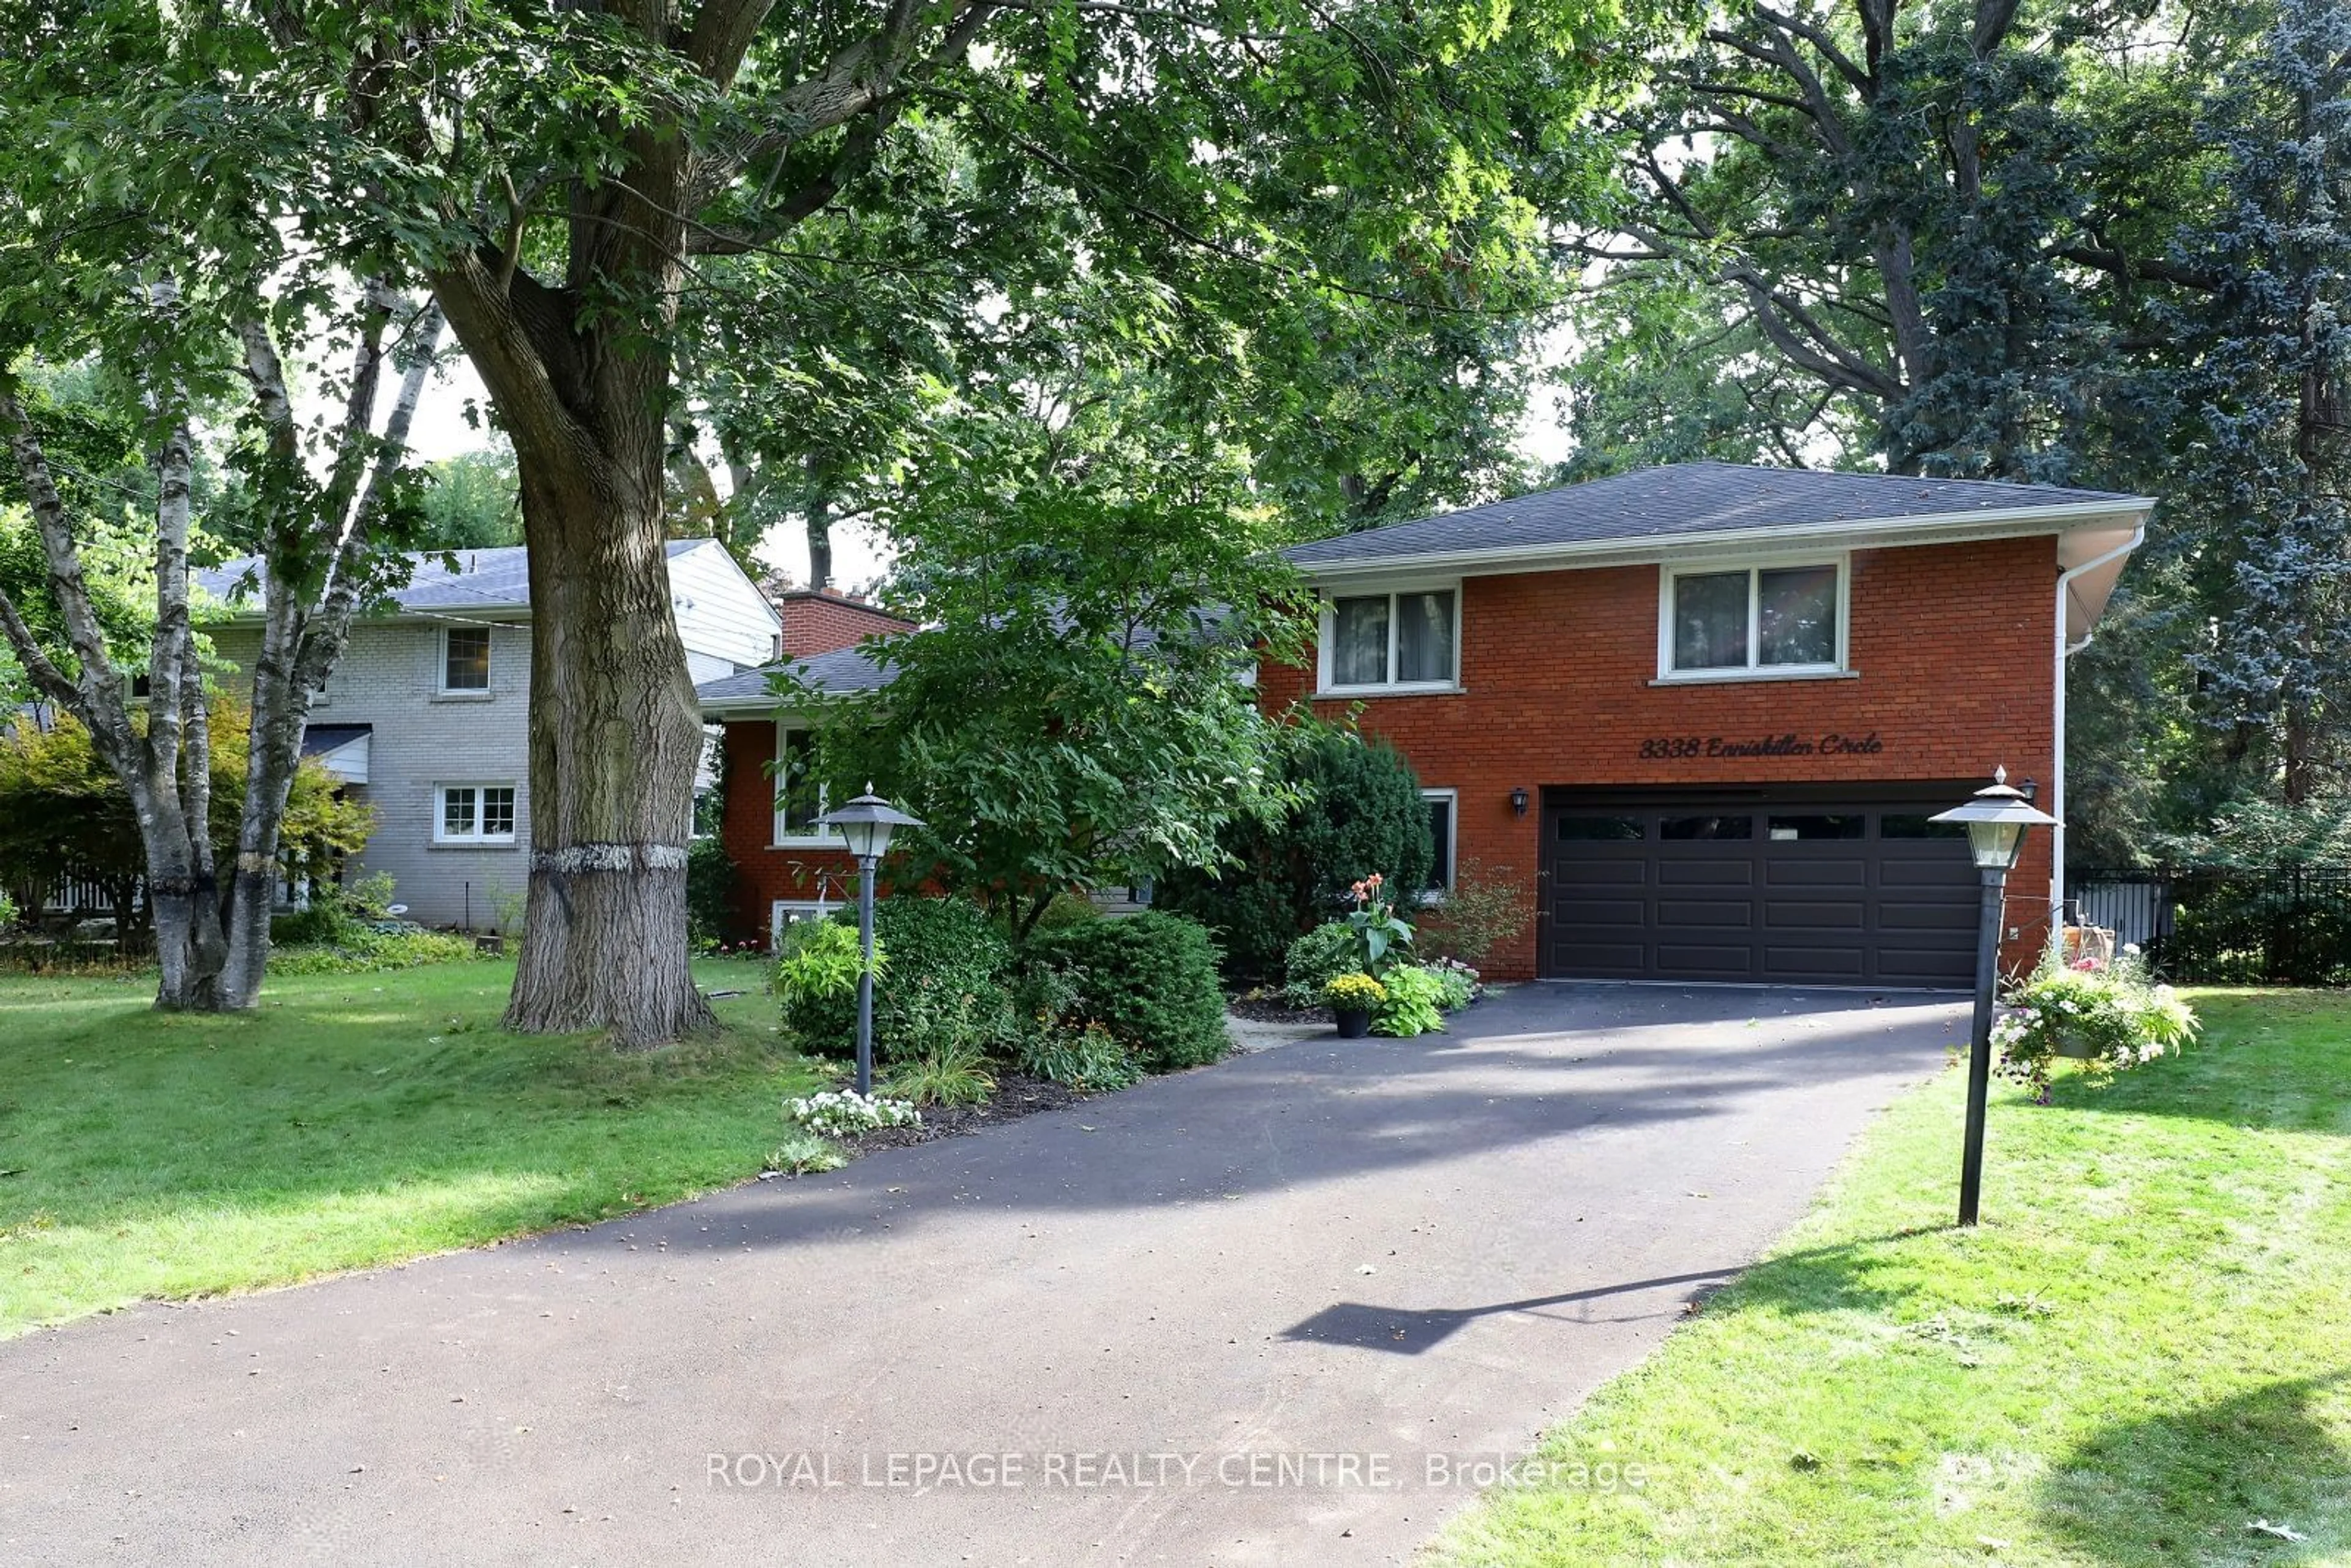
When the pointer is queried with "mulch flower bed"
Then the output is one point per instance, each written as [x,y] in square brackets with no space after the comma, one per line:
[1266,1010]
[1016,1095]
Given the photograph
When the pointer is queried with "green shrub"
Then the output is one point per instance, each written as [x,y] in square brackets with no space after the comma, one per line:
[1150,979]
[1460,980]
[1316,960]
[1363,814]
[821,962]
[710,878]
[1089,1060]
[8,911]
[1414,998]
[1068,909]
[1486,907]
[324,924]
[951,1074]
[948,984]
[365,949]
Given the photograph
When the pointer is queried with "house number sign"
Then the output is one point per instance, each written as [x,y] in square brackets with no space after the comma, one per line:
[1789,744]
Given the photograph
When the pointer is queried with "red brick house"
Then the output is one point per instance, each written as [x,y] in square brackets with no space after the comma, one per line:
[788,868]
[1703,711]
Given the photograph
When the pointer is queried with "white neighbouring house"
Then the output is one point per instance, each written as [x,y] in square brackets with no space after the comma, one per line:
[425,717]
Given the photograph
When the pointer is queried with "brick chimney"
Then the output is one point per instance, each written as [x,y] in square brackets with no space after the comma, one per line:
[817,621]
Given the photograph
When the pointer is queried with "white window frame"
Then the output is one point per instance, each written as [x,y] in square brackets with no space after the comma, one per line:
[798,909]
[778,838]
[1325,687]
[441,686]
[1452,798]
[1753,669]
[477,838]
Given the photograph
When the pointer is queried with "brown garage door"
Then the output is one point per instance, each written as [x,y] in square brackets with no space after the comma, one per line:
[1796,885]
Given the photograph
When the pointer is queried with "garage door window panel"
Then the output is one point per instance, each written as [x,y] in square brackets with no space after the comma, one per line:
[1602,830]
[1686,829]
[1806,829]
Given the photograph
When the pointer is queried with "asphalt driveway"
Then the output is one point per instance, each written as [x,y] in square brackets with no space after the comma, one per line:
[1290,1309]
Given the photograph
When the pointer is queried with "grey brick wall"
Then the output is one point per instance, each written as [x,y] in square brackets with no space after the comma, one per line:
[389,678]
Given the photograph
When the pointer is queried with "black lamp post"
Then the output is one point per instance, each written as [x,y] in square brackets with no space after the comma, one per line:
[1995,817]
[866,825]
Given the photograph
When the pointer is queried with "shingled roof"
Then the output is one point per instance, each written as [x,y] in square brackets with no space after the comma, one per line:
[1690,502]
[842,670]
[494,579]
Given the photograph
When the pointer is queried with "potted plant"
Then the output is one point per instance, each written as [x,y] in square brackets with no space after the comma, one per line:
[2107,1017]
[1353,998]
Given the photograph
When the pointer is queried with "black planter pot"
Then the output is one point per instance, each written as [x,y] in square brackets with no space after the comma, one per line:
[1355,1023]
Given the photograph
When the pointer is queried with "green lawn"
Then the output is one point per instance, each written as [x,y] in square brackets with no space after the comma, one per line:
[2145,1350]
[352,1120]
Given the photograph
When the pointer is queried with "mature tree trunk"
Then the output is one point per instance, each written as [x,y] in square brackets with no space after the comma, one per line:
[615,733]
[615,738]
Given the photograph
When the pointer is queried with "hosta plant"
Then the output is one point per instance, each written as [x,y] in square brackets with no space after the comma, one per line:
[1415,1004]
[2108,1016]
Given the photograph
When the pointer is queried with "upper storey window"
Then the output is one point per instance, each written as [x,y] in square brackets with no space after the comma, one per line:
[1760,620]
[1408,639]
[466,659]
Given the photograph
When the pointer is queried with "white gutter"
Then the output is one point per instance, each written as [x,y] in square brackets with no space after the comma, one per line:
[1962,525]
[2058,806]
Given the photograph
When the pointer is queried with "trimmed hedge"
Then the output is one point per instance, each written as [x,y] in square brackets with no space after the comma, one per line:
[1150,979]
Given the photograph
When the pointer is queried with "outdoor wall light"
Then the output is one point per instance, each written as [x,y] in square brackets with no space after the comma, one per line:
[1995,818]
[866,825]
[1518,801]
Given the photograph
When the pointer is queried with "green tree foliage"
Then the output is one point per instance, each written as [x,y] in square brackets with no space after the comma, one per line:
[564,178]
[2039,241]
[471,501]
[2264,384]
[1359,812]
[64,812]
[1880,230]
[1090,591]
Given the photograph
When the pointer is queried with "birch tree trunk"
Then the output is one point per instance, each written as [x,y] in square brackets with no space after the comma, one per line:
[212,942]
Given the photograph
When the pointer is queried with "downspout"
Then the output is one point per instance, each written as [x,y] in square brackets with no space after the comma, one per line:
[2058,805]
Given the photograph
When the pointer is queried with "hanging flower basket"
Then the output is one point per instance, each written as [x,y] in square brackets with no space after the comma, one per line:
[2073,1045]
[2109,1019]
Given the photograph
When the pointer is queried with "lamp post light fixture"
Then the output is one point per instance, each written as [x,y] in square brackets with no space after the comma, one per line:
[1995,818]
[866,825]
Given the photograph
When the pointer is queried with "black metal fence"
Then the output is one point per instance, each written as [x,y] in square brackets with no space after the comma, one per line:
[2288,927]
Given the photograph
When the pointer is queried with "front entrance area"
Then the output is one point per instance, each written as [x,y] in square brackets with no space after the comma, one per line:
[1809,885]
